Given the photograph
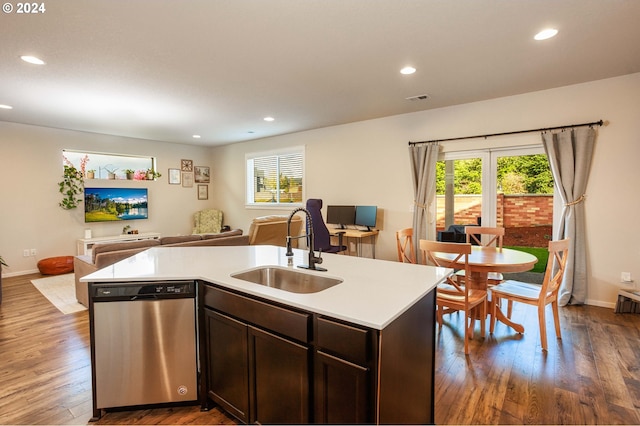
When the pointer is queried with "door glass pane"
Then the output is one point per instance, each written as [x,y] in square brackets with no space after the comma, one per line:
[458,194]
[525,200]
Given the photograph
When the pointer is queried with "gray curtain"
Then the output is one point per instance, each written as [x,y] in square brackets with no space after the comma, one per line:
[423,176]
[569,154]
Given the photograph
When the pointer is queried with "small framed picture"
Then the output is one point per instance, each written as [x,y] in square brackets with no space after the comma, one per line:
[202,174]
[187,179]
[186,165]
[203,192]
[174,176]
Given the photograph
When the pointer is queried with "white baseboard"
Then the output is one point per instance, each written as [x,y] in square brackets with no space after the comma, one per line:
[15,274]
[600,303]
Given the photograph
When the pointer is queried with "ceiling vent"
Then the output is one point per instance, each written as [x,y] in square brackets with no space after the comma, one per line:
[418,98]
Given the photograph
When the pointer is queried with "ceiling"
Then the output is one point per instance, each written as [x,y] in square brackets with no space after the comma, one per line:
[165,70]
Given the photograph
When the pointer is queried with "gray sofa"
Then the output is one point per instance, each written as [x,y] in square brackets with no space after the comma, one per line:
[109,253]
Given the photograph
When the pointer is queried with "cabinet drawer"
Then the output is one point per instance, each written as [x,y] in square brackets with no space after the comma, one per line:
[343,340]
[274,318]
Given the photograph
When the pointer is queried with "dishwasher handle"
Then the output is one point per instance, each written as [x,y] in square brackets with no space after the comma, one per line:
[144,297]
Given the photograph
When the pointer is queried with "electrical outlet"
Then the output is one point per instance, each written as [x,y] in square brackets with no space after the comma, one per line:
[625,277]
[25,252]
[33,252]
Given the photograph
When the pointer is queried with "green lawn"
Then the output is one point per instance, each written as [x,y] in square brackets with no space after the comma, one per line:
[541,253]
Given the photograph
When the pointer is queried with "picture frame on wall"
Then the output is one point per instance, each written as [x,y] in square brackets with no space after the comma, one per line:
[186,165]
[174,176]
[202,174]
[203,192]
[187,179]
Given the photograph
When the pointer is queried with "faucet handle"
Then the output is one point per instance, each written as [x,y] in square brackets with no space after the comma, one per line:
[319,259]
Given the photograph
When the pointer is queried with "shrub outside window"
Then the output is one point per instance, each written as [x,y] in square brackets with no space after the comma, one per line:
[275,178]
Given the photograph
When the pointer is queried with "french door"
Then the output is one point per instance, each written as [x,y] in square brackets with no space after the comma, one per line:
[469,184]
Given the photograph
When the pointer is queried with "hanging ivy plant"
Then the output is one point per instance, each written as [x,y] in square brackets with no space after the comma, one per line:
[71,187]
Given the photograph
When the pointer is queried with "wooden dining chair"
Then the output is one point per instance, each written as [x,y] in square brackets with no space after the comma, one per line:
[404,241]
[537,295]
[452,297]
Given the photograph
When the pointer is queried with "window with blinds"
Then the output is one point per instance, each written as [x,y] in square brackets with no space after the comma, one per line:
[275,178]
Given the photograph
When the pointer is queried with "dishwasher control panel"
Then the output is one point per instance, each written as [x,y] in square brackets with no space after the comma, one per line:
[145,290]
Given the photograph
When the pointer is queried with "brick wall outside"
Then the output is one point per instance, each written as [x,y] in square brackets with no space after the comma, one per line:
[513,211]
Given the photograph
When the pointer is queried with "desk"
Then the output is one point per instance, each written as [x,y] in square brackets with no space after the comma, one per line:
[483,260]
[359,236]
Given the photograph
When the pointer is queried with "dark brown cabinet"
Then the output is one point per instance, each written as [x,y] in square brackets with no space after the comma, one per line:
[279,379]
[254,373]
[228,365]
[269,363]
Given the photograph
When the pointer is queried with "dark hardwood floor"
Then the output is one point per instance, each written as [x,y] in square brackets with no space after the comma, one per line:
[591,376]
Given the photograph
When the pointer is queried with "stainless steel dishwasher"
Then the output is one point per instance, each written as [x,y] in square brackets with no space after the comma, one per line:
[144,343]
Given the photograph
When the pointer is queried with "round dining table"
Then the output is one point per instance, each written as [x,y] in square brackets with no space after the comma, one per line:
[483,260]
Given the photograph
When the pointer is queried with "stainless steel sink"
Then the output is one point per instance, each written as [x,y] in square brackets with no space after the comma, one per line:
[287,279]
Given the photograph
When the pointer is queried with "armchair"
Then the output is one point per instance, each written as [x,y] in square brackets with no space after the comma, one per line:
[208,221]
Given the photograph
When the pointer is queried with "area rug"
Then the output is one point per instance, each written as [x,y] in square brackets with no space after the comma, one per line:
[60,291]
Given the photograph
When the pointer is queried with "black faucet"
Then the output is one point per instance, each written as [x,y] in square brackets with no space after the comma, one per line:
[313,260]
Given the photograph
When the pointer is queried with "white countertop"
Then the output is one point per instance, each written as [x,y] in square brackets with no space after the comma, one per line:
[373,292]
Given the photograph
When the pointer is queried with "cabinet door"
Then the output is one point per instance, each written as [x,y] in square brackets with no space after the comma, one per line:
[341,391]
[279,379]
[228,373]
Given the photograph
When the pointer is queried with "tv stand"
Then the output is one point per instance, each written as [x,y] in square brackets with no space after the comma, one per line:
[85,245]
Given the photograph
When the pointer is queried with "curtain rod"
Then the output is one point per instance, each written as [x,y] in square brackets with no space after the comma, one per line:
[595,123]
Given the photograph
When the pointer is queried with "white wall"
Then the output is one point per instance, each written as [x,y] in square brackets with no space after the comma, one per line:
[360,163]
[30,172]
[367,163]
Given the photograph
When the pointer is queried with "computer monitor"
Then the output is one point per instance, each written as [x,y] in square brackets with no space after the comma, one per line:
[366,216]
[341,216]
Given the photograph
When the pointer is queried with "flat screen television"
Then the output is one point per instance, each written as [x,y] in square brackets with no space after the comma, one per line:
[341,215]
[115,204]
[366,216]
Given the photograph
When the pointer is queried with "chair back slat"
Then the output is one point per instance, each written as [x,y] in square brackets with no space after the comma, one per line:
[556,266]
[460,250]
[404,242]
[475,233]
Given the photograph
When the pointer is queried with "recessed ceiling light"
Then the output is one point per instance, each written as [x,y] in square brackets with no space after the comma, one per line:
[269,119]
[197,136]
[5,106]
[32,60]
[545,34]
[407,70]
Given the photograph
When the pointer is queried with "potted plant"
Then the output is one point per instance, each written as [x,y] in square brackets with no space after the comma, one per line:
[129,173]
[91,174]
[152,174]
[2,263]
[111,172]
[71,187]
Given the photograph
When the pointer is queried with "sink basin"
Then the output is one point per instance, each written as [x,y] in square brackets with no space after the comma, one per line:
[287,279]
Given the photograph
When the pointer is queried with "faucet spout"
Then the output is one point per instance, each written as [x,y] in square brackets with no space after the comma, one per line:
[313,260]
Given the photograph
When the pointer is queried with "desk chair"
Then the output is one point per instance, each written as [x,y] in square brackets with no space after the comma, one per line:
[321,235]
[452,297]
[537,295]
[404,242]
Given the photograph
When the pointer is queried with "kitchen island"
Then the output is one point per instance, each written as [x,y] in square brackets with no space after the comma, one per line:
[360,351]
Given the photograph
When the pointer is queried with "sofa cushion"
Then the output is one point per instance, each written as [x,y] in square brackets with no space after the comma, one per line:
[179,239]
[235,240]
[222,234]
[103,248]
